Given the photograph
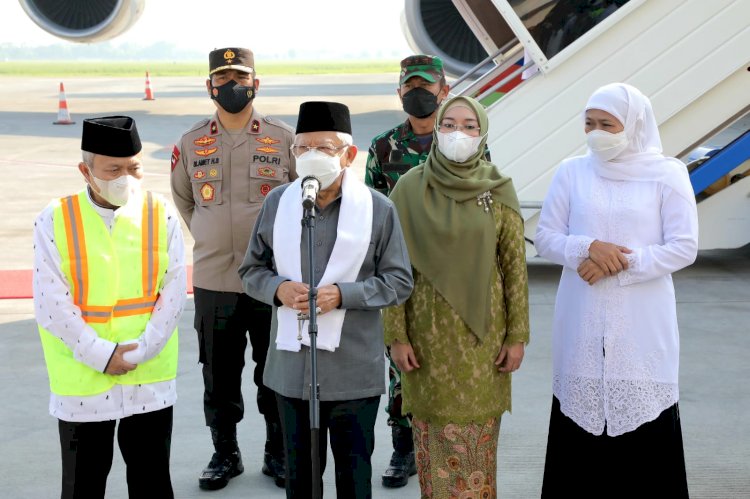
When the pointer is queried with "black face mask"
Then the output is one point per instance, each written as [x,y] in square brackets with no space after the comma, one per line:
[232,96]
[419,102]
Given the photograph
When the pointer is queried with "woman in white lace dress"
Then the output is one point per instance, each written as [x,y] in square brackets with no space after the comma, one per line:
[620,220]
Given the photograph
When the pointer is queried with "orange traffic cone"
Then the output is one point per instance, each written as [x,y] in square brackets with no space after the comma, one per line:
[63,116]
[149,93]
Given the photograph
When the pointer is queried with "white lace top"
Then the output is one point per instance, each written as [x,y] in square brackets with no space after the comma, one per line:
[616,343]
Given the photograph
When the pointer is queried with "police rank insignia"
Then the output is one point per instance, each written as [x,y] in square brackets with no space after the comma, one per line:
[265,189]
[214,128]
[267,149]
[204,141]
[206,152]
[199,174]
[255,126]
[207,192]
[267,140]
[265,171]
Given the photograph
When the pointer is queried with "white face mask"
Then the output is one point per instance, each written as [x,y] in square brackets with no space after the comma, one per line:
[605,145]
[117,192]
[319,165]
[457,146]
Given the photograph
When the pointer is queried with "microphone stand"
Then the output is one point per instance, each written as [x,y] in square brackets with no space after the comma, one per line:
[308,221]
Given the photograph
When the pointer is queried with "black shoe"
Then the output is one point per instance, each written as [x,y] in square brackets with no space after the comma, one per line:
[401,468]
[220,470]
[274,468]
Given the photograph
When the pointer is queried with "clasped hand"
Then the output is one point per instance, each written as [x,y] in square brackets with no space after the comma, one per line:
[296,295]
[605,259]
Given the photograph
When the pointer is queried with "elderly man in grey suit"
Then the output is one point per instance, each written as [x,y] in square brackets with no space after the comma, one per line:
[360,266]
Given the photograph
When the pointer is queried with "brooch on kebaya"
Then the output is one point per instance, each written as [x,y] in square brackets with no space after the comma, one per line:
[485,199]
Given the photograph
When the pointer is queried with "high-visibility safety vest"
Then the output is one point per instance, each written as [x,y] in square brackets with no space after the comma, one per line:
[114,279]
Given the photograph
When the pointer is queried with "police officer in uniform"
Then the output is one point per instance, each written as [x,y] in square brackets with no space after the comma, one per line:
[222,169]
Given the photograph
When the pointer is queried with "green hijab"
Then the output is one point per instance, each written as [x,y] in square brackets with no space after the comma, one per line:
[451,239]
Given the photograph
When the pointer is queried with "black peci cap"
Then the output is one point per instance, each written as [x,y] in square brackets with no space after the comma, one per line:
[317,116]
[114,136]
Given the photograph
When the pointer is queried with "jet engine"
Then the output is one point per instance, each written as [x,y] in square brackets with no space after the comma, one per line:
[436,27]
[84,20]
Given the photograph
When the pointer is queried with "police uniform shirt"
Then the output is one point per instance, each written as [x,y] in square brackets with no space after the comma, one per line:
[55,311]
[219,182]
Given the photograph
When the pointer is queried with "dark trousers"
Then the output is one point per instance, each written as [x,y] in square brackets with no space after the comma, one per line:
[351,424]
[223,321]
[144,441]
[647,462]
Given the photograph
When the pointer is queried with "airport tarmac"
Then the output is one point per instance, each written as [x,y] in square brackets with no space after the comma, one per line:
[39,162]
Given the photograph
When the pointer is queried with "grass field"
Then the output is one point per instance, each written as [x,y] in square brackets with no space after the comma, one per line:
[161,68]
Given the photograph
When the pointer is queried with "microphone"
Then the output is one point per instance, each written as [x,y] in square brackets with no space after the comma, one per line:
[310,187]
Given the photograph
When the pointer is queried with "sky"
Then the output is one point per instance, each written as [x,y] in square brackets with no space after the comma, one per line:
[330,27]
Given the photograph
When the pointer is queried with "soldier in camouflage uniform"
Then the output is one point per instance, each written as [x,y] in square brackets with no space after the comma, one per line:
[422,87]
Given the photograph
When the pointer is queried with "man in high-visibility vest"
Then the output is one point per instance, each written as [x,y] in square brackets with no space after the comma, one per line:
[109,288]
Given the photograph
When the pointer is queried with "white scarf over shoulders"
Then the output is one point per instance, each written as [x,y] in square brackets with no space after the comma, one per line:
[616,343]
[352,241]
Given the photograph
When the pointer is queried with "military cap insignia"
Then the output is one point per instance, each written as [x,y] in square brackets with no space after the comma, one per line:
[214,128]
[267,149]
[229,55]
[265,189]
[206,152]
[199,174]
[265,171]
[213,172]
[175,157]
[267,140]
[207,192]
[204,141]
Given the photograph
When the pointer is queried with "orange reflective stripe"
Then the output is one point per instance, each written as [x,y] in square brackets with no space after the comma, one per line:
[123,308]
[150,245]
[154,248]
[134,306]
[76,241]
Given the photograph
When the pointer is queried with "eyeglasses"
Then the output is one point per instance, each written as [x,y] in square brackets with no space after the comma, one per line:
[452,127]
[330,150]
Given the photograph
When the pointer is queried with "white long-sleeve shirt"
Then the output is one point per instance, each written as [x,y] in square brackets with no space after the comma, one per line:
[55,311]
[616,343]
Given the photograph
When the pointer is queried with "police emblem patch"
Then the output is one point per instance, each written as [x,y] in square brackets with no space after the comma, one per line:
[267,149]
[199,174]
[265,171]
[229,55]
[204,141]
[265,189]
[213,172]
[267,140]
[207,192]
[206,152]
[175,157]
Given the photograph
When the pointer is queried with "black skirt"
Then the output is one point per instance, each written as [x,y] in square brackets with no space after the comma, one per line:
[648,462]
